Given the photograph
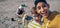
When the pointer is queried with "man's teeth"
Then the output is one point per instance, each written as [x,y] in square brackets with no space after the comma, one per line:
[44,13]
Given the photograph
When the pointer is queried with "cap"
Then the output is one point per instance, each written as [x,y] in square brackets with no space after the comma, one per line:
[37,1]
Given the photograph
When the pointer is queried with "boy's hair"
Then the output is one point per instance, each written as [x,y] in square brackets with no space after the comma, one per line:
[33,9]
[20,11]
[37,1]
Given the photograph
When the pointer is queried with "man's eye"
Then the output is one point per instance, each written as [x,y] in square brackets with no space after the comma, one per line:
[44,5]
[39,7]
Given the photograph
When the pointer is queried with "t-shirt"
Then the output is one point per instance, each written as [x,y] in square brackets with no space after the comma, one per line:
[53,21]
[34,24]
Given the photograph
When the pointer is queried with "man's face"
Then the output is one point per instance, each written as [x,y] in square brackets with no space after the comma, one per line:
[42,8]
[33,11]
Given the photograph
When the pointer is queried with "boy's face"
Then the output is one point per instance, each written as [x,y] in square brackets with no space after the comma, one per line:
[33,11]
[42,8]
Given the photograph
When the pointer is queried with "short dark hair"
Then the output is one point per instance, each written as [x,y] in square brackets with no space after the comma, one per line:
[37,1]
[33,9]
[20,11]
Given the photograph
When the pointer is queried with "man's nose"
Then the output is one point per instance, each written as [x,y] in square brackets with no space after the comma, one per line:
[42,9]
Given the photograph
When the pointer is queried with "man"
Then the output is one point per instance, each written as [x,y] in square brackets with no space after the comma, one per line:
[36,21]
[20,14]
[50,19]
[24,18]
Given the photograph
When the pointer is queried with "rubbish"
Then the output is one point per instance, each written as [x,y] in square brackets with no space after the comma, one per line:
[12,19]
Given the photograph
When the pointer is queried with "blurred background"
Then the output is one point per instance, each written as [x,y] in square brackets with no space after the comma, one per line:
[8,10]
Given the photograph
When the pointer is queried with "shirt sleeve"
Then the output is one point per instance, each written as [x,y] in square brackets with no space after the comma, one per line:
[58,21]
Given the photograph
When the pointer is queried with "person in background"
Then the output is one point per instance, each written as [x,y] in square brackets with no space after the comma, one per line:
[20,14]
[36,21]
[20,11]
[50,19]
[24,18]
[33,11]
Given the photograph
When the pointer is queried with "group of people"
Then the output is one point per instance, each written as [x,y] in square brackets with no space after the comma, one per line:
[42,17]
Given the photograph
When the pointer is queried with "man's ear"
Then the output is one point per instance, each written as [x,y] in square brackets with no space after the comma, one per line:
[48,5]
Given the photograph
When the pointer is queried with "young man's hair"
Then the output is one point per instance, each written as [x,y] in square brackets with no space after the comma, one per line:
[33,9]
[37,1]
[20,11]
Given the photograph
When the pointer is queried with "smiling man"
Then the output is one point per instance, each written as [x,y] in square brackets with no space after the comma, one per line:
[50,19]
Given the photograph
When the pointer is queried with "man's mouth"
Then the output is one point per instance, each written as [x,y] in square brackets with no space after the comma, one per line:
[44,13]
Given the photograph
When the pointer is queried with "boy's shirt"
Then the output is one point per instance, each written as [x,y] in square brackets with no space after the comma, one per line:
[34,24]
[24,19]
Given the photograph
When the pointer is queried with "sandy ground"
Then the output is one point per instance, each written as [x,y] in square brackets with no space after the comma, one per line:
[8,10]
